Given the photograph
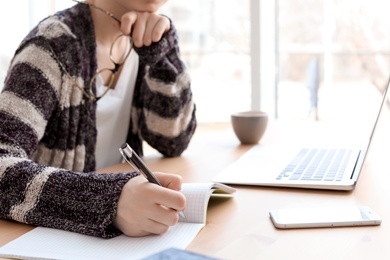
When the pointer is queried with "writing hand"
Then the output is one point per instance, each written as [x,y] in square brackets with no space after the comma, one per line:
[146,208]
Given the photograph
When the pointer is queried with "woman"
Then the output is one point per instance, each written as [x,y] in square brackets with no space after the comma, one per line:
[63,114]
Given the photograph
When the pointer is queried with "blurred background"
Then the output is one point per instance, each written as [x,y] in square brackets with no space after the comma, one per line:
[295,59]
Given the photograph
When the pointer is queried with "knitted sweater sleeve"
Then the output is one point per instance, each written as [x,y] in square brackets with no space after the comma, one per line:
[42,195]
[36,193]
[163,108]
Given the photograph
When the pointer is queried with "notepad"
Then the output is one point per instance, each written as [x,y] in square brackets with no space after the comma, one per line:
[47,243]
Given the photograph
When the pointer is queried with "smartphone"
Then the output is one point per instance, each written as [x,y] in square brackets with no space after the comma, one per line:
[324,217]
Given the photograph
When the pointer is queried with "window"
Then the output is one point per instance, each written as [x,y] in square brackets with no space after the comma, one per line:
[215,42]
[333,57]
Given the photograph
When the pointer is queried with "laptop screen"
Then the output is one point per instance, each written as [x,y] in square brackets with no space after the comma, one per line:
[381,125]
[383,111]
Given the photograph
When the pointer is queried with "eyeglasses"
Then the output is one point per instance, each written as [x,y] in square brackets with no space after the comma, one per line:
[119,51]
[121,42]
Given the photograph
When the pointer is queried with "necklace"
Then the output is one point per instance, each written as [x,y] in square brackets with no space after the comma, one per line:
[98,8]
[90,94]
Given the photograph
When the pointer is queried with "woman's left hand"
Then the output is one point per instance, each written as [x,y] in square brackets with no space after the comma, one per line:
[144,28]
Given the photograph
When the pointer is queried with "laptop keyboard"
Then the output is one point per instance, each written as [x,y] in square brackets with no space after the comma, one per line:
[317,164]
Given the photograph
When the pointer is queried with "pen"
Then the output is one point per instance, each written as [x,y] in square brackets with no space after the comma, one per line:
[135,161]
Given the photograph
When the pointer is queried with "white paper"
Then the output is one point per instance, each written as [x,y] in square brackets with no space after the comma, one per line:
[47,243]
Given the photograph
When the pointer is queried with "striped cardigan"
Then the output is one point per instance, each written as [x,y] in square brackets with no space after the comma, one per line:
[48,128]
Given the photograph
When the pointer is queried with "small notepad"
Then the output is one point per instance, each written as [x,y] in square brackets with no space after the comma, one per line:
[47,243]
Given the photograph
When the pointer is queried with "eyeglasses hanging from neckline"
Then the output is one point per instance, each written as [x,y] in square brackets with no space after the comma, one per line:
[124,44]
[119,51]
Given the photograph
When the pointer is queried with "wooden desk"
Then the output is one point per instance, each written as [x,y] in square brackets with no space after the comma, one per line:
[241,229]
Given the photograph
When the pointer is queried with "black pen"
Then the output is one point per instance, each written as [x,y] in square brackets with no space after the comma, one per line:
[135,161]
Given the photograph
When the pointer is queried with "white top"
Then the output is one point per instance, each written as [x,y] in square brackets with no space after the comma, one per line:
[113,114]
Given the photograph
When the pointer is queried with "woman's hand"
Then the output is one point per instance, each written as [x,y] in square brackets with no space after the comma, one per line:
[144,28]
[146,208]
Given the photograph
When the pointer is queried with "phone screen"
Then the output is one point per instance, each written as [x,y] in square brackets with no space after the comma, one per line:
[324,216]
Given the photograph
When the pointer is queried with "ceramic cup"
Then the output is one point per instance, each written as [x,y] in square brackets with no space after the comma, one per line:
[249,126]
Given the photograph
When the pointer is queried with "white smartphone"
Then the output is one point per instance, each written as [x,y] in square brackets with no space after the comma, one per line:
[324,217]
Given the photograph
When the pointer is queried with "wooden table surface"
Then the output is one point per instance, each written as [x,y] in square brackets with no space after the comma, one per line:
[240,228]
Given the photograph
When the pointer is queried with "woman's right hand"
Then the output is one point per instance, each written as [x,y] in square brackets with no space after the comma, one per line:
[146,208]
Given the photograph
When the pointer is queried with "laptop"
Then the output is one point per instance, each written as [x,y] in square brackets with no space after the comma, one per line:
[330,168]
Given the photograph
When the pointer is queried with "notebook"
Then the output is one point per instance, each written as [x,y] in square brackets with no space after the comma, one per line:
[332,168]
